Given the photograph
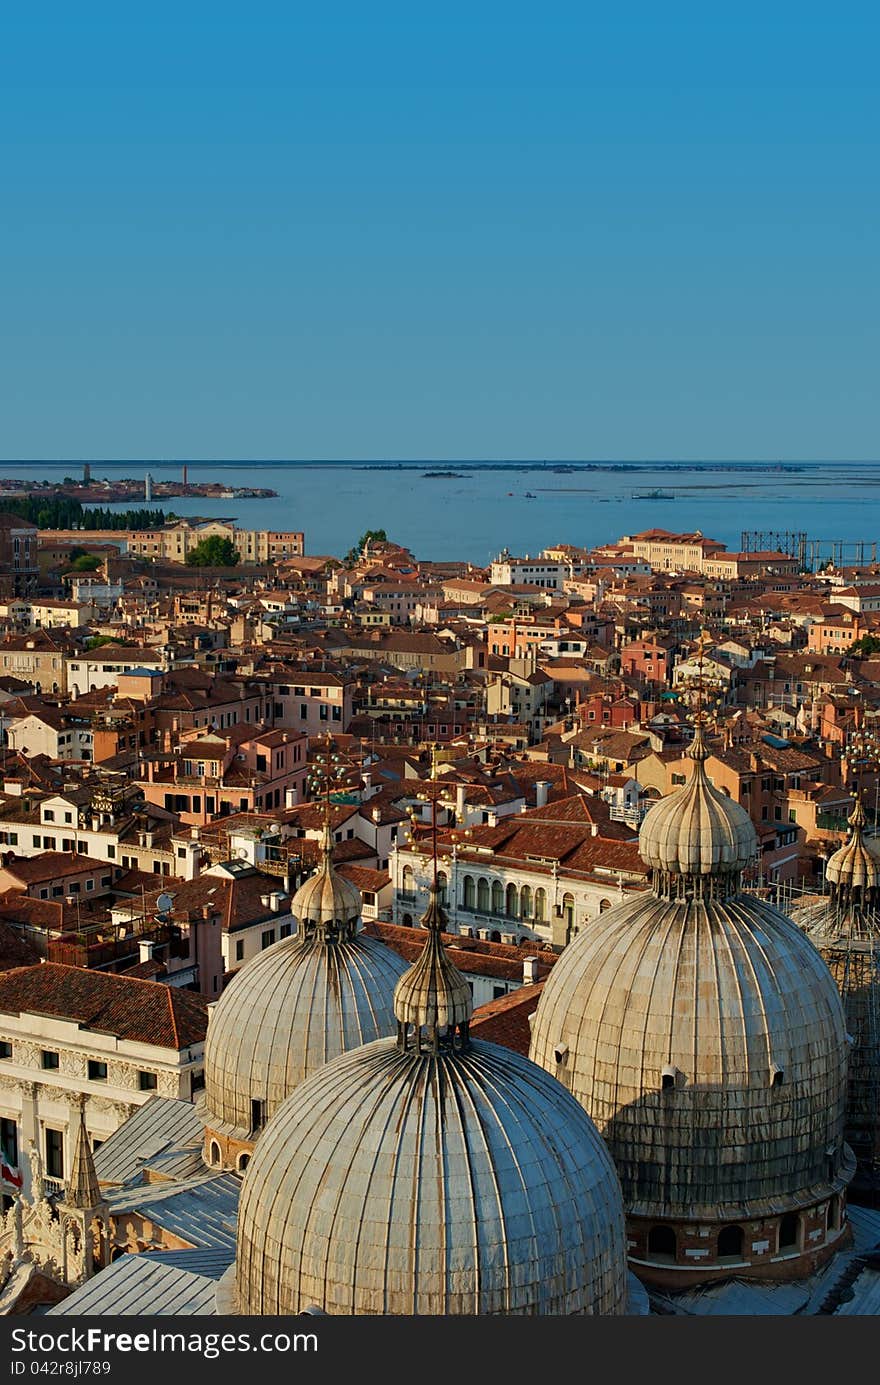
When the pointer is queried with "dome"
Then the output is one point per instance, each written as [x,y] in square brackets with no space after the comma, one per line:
[707,1041]
[855,867]
[431,1174]
[698,831]
[705,1036]
[326,897]
[298,1004]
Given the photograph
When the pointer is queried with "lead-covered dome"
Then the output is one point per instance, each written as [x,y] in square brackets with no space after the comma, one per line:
[431,1175]
[698,830]
[301,1002]
[326,897]
[854,869]
[707,1041]
[705,1036]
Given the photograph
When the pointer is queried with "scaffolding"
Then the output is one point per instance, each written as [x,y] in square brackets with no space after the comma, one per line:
[810,552]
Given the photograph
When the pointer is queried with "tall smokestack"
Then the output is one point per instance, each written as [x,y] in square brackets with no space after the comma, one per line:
[184,475]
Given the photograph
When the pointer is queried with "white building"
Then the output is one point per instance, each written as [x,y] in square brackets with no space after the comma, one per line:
[67,1033]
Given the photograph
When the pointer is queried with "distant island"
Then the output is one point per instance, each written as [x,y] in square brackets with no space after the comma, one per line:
[435,475]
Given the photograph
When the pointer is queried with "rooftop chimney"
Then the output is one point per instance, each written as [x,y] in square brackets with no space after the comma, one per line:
[542,790]
[530,971]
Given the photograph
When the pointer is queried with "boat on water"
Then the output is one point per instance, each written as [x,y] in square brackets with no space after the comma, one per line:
[530,496]
[652,495]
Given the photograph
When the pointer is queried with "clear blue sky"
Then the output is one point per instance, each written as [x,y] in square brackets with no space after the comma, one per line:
[439,230]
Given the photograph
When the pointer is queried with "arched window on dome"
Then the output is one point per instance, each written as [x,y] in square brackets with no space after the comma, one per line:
[213,1153]
[789,1231]
[407,920]
[662,1243]
[483,895]
[242,1162]
[494,936]
[525,902]
[730,1243]
[443,887]
[497,897]
[603,905]
[470,892]
[511,902]
[832,1221]
[568,910]
[408,881]
[540,905]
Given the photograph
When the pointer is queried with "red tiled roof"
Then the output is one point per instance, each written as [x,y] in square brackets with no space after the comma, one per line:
[506,1020]
[145,1012]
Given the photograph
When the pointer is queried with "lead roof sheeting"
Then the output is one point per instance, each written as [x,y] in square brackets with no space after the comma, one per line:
[136,1285]
[202,1212]
[211,1263]
[156,1126]
[866,1296]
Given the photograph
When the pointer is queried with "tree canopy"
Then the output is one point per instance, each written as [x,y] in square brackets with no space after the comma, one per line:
[213,551]
[369,536]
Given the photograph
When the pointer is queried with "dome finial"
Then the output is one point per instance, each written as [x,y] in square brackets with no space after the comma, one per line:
[853,872]
[432,1000]
[327,906]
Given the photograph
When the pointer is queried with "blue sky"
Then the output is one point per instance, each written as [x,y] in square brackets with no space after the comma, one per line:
[423,230]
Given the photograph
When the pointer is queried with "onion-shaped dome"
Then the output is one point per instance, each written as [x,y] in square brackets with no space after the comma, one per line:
[431,1175]
[290,1010]
[845,927]
[853,871]
[706,1039]
[327,901]
[698,832]
[433,995]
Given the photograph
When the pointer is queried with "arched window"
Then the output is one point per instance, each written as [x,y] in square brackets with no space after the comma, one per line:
[568,909]
[603,905]
[243,1161]
[213,1152]
[540,905]
[408,882]
[497,897]
[525,902]
[730,1242]
[470,892]
[443,886]
[511,902]
[662,1242]
[494,936]
[832,1222]
[789,1231]
[483,895]
[407,920]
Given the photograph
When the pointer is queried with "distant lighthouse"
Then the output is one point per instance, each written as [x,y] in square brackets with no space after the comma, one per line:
[148,488]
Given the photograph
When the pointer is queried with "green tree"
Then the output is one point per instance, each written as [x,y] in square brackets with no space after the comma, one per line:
[868,644]
[370,536]
[95,641]
[85,562]
[214,551]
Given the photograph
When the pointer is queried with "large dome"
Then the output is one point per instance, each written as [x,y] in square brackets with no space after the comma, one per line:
[291,1009]
[431,1175]
[698,830]
[705,1036]
[707,1042]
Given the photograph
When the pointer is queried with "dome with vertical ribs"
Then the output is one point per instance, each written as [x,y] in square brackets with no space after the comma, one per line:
[431,1175]
[855,866]
[397,1181]
[291,1009]
[698,831]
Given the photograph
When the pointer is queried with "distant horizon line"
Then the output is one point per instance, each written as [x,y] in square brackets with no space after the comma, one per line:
[448,461]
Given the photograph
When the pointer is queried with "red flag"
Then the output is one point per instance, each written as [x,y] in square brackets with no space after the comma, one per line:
[10,1175]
